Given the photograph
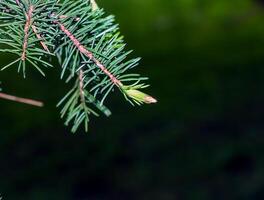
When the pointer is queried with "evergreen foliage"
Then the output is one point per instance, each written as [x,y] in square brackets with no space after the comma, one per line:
[87,44]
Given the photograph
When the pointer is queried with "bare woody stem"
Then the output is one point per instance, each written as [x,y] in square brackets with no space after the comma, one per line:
[89,54]
[21,100]
[34,28]
[26,31]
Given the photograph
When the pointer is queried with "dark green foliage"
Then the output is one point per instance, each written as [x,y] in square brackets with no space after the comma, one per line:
[87,44]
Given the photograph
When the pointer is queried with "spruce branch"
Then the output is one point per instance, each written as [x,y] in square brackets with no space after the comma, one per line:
[89,54]
[88,46]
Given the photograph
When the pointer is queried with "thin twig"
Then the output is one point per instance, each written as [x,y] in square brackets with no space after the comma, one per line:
[21,100]
[36,32]
[26,31]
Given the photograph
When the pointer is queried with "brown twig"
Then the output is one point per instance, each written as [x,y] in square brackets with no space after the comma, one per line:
[21,100]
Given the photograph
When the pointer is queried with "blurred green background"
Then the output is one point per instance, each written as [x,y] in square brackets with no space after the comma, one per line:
[203,140]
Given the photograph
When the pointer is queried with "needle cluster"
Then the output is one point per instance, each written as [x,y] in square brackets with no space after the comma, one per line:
[86,42]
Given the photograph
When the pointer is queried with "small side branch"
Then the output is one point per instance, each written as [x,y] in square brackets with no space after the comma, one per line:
[26,31]
[29,15]
[21,100]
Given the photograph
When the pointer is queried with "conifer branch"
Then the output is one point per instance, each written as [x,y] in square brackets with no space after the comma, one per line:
[89,54]
[87,44]
[34,28]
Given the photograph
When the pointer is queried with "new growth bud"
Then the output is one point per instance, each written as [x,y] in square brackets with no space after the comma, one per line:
[94,5]
[137,95]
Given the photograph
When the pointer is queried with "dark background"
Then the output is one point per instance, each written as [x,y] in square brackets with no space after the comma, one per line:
[203,140]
